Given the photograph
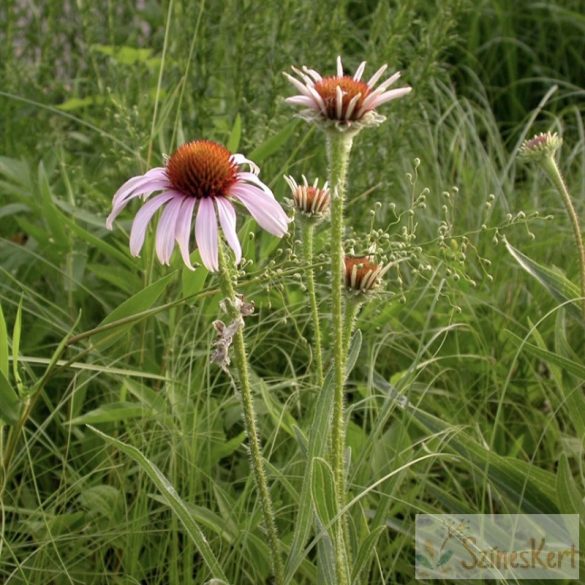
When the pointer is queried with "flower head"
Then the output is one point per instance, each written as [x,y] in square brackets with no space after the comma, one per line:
[540,146]
[362,275]
[311,201]
[340,101]
[201,179]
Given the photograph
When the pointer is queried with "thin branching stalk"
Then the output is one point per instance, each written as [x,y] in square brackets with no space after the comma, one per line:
[556,177]
[308,236]
[338,149]
[226,278]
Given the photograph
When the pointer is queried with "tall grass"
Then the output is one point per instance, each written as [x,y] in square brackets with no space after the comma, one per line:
[448,410]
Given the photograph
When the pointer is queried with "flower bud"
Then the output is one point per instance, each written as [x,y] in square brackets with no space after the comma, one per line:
[540,146]
[362,274]
[310,201]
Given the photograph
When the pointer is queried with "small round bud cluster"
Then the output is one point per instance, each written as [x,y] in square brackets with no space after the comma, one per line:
[541,146]
[362,274]
[311,201]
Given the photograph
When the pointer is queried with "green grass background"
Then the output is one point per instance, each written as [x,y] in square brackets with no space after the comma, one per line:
[449,411]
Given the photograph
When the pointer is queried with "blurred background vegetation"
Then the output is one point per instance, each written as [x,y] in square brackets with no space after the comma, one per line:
[93,93]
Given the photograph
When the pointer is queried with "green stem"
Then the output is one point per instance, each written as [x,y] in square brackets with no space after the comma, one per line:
[308,232]
[338,149]
[555,176]
[241,363]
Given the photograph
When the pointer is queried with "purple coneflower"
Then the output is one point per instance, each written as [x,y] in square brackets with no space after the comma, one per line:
[201,179]
[341,100]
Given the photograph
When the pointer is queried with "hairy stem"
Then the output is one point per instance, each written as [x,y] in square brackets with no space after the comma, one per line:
[241,363]
[338,149]
[555,176]
[308,233]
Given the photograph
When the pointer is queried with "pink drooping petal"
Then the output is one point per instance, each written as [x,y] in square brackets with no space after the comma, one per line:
[157,174]
[227,220]
[386,97]
[360,71]
[312,73]
[264,209]
[291,182]
[306,78]
[143,218]
[302,100]
[298,84]
[166,230]
[374,79]
[244,178]
[351,106]
[318,100]
[206,234]
[240,159]
[386,84]
[144,188]
[338,102]
[183,229]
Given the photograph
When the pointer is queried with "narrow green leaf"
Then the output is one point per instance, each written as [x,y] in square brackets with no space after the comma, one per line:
[112,412]
[365,552]
[273,144]
[3,344]
[548,356]
[323,491]
[76,103]
[193,281]
[9,402]
[275,408]
[526,486]
[17,172]
[137,303]
[12,209]
[561,288]
[354,351]
[225,448]
[16,330]
[51,214]
[126,281]
[325,506]
[235,135]
[105,500]
[172,499]
[570,496]
[209,519]
[98,243]
[569,390]
[318,437]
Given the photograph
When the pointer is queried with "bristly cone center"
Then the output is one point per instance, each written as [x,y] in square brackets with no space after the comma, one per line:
[201,169]
[350,88]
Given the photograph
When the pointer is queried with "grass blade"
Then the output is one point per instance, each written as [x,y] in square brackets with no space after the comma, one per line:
[172,499]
